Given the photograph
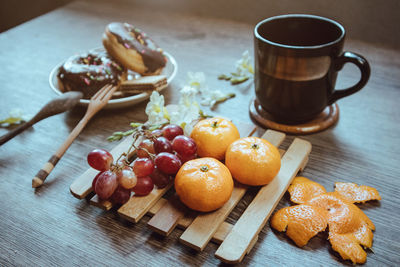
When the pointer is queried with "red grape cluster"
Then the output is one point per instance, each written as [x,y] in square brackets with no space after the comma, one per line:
[159,157]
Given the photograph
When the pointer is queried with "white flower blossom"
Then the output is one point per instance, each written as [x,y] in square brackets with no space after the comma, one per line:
[155,110]
[196,80]
[186,111]
[243,65]
[211,97]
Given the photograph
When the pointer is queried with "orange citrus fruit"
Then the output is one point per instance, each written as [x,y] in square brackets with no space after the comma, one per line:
[253,161]
[213,136]
[302,190]
[204,184]
[301,222]
[350,230]
[357,194]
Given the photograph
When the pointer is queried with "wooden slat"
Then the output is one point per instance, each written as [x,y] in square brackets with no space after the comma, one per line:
[82,186]
[137,207]
[171,211]
[222,231]
[156,207]
[240,239]
[219,235]
[200,232]
[274,137]
[165,224]
[103,204]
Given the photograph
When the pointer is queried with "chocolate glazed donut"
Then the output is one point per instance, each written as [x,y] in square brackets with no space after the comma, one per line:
[89,72]
[133,49]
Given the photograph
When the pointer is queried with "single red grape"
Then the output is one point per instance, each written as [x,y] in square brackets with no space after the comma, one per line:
[120,196]
[144,147]
[168,163]
[143,167]
[100,159]
[106,184]
[162,144]
[95,180]
[144,186]
[127,178]
[184,145]
[172,130]
[160,179]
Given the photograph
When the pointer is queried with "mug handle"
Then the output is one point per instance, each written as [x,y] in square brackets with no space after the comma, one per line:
[364,67]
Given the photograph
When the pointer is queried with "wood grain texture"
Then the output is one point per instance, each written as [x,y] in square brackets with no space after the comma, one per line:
[138,206]
[241,239]
[203,227]
[168,216]
[49,226]
[184,222]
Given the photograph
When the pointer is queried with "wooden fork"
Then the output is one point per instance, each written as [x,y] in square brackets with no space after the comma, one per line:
[97,102]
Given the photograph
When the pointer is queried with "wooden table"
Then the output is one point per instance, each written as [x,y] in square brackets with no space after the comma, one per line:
[48,226]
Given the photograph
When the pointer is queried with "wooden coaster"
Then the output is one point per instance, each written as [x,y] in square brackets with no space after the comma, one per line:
[324,120]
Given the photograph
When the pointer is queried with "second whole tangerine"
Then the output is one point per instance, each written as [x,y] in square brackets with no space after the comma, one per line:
[253,161]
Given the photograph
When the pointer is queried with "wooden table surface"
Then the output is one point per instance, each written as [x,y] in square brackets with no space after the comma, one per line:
[48,226]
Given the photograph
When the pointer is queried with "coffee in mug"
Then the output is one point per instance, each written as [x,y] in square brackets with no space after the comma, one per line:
[297,59]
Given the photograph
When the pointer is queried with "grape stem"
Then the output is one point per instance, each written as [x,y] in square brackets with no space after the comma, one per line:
[148,152]
[140,131]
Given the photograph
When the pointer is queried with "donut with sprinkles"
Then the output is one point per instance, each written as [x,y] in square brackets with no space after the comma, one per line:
[133,49]
[88,72]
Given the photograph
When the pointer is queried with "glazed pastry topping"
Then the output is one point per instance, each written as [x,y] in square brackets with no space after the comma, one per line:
[89,72]
[133,38]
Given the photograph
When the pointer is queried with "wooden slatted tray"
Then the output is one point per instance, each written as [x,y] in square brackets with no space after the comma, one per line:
[236,240]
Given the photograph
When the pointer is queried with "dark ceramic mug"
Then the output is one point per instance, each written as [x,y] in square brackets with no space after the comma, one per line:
[297,59]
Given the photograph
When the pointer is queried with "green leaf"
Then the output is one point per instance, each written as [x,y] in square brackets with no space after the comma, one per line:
[222,99]
[224,77]
[155,127]
[239,80]
[116,136]
[135,124]
[204,115]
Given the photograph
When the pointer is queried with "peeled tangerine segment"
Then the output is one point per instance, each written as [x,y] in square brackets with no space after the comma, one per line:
[357,194]
[348,247]
[349,228]
[302,189]
[301,222]
[343,216]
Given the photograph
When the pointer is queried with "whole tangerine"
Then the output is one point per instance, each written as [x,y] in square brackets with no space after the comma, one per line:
[204,184]
[213,136]
[253,161]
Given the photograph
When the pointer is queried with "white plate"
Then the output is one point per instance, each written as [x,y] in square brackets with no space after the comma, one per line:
[169,71]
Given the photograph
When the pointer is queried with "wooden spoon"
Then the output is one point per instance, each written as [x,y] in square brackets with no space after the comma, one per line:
[58,105]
